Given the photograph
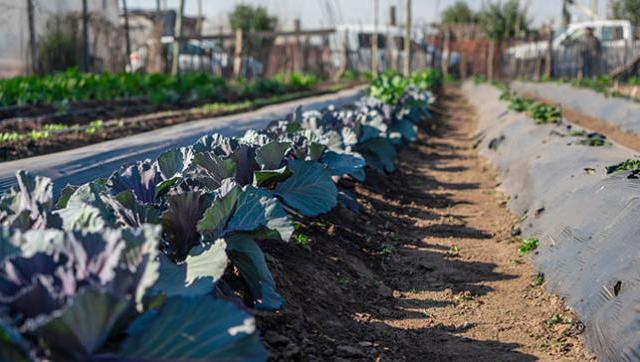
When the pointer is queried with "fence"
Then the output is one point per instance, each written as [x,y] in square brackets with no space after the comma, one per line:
[327,52]
[56,26]
[569,61]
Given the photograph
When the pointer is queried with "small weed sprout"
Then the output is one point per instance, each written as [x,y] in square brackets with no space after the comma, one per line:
[527,245]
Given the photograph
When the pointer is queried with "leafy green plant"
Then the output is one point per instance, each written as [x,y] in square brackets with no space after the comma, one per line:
[527,245]
[301,239]
[594,139]
[544,113]
[520,104]
[162,248]
[559,319]
[627,165]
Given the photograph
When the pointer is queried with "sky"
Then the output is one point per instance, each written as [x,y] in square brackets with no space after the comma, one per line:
[314,14]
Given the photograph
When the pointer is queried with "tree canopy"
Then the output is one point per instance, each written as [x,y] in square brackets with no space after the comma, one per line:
[250,19]
[504,20]
[626,9]
[459,13]
[500,20]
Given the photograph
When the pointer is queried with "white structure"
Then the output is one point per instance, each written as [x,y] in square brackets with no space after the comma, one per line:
[612,33]
[14,30]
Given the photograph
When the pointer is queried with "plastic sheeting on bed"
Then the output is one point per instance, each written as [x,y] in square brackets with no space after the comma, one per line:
[588,223]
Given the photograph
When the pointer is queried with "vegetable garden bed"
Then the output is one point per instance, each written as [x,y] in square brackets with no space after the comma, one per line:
[24,141]
[584,217]
[161,260]
[614,111]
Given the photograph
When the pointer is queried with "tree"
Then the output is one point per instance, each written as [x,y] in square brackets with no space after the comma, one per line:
[503,21]
[459,13]
[626,9]
[251,19]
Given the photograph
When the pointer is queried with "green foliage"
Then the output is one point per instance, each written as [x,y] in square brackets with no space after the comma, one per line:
[540,112]
[250,19]
[544,113]
[301,239]
[539,280]
[390,86]
[600,84]
[73,85]
[504,20]
[427,79]
[459,13]
[627,10]
[527,245]
[627,165]
[59,46]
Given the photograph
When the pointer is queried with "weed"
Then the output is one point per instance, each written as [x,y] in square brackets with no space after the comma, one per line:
[627,165]
[527,245]
[302,239]
[388,250]
[539,280]
[454,251]
[559,319]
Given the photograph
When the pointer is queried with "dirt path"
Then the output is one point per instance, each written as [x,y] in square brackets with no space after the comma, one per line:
[476,285]
[428,271]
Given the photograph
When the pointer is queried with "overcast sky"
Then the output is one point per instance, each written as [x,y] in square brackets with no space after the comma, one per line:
[314,13]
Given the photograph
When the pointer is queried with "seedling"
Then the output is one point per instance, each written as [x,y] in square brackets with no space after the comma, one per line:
[539,280]
[302,239]
[627,165]
[527,245]
[559,319]
[388,250]
[454,251]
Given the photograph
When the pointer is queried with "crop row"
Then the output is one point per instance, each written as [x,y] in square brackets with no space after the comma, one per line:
[73,85]
[160,260]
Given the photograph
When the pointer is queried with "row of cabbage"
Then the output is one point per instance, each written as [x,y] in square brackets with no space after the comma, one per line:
[160,260]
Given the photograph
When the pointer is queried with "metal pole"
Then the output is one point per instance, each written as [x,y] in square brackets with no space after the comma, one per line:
[32,38]
[374,40]
[126,31]
[85,37]
[407,41]
[176,44]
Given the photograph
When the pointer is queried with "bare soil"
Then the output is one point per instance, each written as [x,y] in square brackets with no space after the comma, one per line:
[428,270]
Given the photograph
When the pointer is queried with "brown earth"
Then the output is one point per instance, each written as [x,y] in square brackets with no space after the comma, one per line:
[429,269]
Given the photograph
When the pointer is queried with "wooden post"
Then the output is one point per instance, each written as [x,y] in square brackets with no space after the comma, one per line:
[297,54]
[407,41]
[85,36]
[446,52]
[490,59]
[126,34]
[548,70]
[344,57]
[237,60]
[374,40]
[32,39]
[392,44]
[175,61]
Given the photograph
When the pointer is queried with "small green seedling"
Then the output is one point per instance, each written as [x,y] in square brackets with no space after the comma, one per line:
[454,251]
[302,239]
[539,280]
[388,250]
[559,319]
[527,245]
